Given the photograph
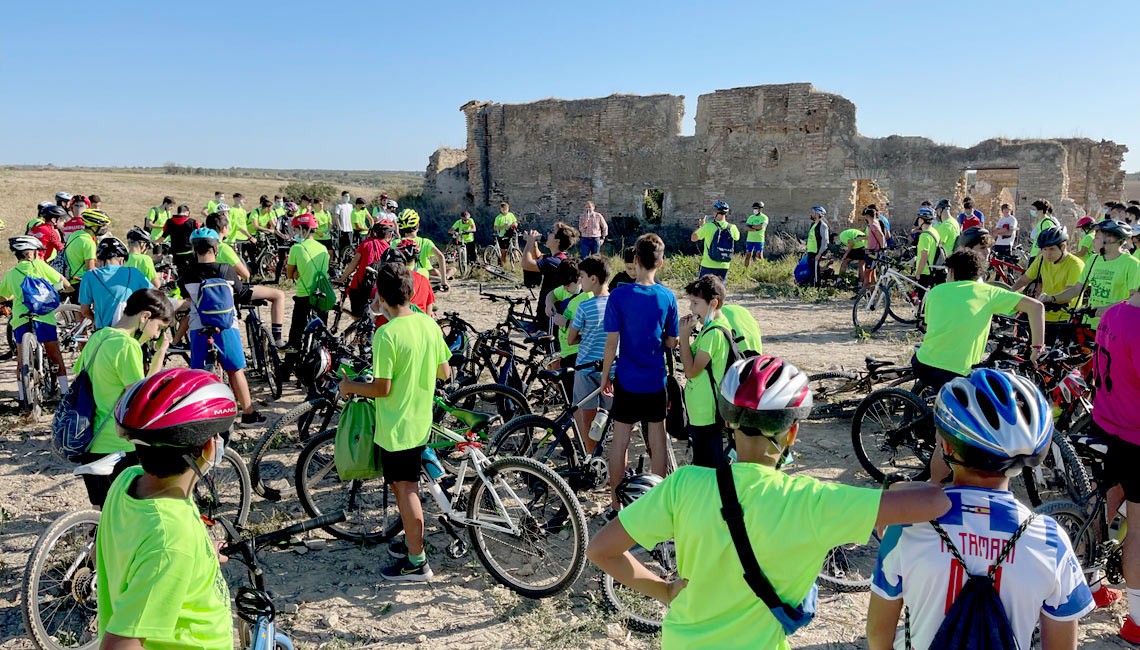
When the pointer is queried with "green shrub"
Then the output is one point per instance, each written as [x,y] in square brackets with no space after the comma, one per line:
[327,192]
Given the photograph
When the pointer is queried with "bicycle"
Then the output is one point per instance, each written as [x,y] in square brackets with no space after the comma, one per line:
[37,376]
[1003,272]
[74,329]
[264,358]
[58,595]
[456,256]
[493,254]
[895,294]
[829,387]
[519,514]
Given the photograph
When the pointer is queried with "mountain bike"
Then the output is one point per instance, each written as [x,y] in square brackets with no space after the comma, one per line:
[522,519]
[58,596]
[37,376]
[834,393]
[894,294]
[456,256]
[74,329]
[264,359]
[493,254]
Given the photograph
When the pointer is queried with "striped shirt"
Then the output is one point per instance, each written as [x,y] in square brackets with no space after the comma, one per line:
[592,224]
[588,321]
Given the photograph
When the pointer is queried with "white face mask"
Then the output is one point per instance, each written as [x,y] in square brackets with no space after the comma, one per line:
[1032,212]
[755,212]
[219,451]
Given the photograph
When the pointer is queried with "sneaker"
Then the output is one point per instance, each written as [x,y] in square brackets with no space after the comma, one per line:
[1104,596]
[254,419]
[1130,631]
[398,548]
[280,343]
[403,570]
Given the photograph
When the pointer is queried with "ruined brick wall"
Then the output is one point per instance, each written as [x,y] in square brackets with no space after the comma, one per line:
[446,179]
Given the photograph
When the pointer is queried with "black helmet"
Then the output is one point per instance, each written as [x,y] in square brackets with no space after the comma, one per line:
[972,236]
[758,204]
[1052,237]
[139,235]
[111,247]
[942,204]
[54,212]
[1116,227]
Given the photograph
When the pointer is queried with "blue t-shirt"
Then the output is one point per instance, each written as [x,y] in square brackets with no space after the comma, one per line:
[643,316]
[588,322]
[107,288]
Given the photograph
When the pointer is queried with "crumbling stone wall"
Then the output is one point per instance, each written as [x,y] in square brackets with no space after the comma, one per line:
[787,145]
[446,177]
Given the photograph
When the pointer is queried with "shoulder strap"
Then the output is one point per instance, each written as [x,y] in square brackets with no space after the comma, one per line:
[735,351]
[733,516]
[1001,556]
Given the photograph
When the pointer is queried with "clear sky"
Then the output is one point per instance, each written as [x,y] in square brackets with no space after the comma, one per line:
[377,85]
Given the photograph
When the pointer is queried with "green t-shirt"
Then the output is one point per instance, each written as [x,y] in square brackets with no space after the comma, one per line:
[849,236]
[948,232]
[928,241]
[239,218]
[1086,245]
[813,237]
[407,350]
[706,232]
[958,323]
[157,573]
[466,230]
[757,220]
[792,522]
[159,217]
[263,217]
[79,248]
[144,263]
[14,279]
[116,362]
[227,255]
[360,220]
[308,256]
[1109,282]
[700,401]
[561,294]
[423,264]
[324,220]
[744,325]
[1055,278]
[1045,222]
[503,222]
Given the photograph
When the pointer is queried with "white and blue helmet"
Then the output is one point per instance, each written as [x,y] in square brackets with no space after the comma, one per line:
[820,210]
[994,421]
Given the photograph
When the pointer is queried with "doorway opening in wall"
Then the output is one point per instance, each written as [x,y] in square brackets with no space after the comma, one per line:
[864,192]
[990,187]
[653,203]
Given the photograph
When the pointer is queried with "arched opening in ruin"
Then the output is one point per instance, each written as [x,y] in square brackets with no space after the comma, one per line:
[989,188]
[652,205]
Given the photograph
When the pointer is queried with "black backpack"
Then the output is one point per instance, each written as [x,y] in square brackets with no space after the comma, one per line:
[720,248]
[977,619]
[734,354]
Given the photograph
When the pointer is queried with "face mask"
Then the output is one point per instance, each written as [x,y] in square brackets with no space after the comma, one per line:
[708,319]
[297,238]
[1032,212]
[755,212]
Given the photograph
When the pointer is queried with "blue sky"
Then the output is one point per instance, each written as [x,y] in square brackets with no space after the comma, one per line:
[377,85]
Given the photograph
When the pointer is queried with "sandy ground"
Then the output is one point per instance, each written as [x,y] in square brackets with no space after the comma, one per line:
[335,595]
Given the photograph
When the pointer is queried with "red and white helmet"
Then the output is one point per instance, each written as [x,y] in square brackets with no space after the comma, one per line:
[765,393]
[177,407]
[307,220]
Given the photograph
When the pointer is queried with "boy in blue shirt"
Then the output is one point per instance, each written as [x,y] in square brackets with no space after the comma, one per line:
[642,317]
[105,295]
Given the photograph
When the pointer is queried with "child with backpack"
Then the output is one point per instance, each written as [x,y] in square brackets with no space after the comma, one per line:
[106,289]
[307,264]
[588,333]
[563,303]
[33,289]
[177,231]
[360,280]
[984,574]
[718,237]
[704,361]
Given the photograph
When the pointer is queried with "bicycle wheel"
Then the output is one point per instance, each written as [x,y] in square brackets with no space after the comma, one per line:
[273,463]
[548,552]
[1060,476]
[828,391]
[231,492]
[849,568]
[539,438]
[893,434]
[491,255]
[514,257]
[499,400]
[461,261]
[904,302]
[640,612]
[369,504]
[1085,539]
[57,597]
[31,375]
[871,307]
[269,363]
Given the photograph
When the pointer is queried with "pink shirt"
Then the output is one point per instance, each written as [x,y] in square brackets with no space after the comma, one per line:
[592,224]
[1118,364]
[875,238]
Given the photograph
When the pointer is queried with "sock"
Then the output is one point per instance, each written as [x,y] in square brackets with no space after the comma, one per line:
[63,384]
[422,557]
[20,391]
[1133,604]
[276,329]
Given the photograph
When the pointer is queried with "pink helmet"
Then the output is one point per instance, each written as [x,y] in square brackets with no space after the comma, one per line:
[765,393]
[307,220]
[177,407]
[1085,221]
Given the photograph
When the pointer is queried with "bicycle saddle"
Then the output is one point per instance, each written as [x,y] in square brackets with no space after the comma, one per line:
[258,302]
[475,420]
[102,467]
[555,375]
[539,338]
[874,364]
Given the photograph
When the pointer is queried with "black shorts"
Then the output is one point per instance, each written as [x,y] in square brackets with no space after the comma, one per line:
[630,408]
[98,486]
[1120,464]
[401,466]
[857,254]
[245,296]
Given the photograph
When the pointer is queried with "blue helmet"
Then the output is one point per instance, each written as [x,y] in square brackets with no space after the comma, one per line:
[926,214]
[1117,227]
[994,421]
[206,233]
[820,210]
[721,207]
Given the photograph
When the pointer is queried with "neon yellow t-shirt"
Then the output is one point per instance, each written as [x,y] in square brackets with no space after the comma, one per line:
[1055,278]
[211,207]
[503,223]
[263,217]
[227,255]
[813,237]
[757,220]
[928,241]
[700,401]
[466,230]
[239,218]
[792,522]
[79,248]
[14,279]
[706,232]
[308,256]
[958,323]
[561,294]
[1086,245]
[948,232]
[143,263]
[1043,223]
[159,217]
[116,362]
[324,220]
[157,573]
[743,324]
[407,350]
[360,221]
[1110,282]
[848,236]
[423,264]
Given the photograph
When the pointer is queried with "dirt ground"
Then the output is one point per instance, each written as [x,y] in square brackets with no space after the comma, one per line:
[334,597]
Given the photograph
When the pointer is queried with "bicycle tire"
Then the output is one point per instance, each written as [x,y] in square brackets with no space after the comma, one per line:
[31,375]
[880,409]
[824,386]
[901,306]
[275,441]
[549,512]
[1072,479]
[541,439]
[870,309]
[370,505]
[1071,518]
[271,363]
[514,257]
[230,479]
[42,566]
[491,255]
[850,567]
[642,613]
[499,399]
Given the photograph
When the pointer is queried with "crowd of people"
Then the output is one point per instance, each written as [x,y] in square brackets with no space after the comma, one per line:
[749,538]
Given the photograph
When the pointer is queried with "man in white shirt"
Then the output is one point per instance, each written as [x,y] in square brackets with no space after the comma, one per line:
[342,223]
[1005,232]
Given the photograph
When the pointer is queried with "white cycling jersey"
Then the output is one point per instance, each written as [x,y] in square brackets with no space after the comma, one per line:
[1041,575]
